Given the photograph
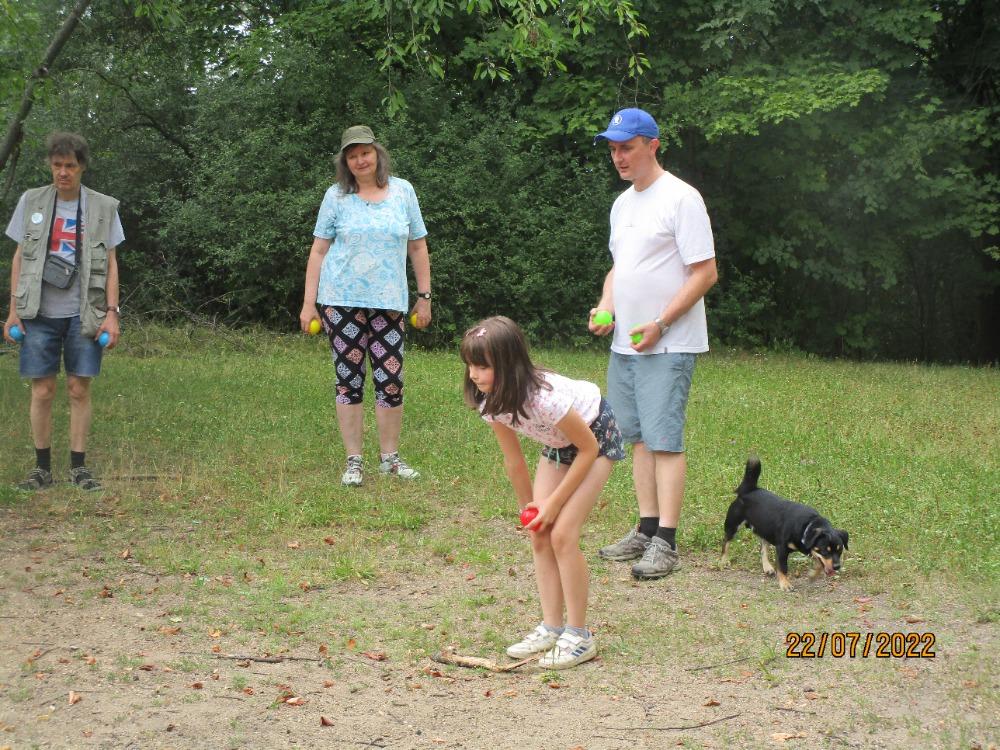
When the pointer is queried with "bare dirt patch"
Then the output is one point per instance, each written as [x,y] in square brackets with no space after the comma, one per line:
[95,655]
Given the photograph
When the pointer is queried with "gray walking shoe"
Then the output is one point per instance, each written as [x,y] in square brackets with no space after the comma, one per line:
[38,479]
[658,560]
[629,547]
[82,478]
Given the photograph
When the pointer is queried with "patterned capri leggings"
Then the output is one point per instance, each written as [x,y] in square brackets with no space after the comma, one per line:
[355,331]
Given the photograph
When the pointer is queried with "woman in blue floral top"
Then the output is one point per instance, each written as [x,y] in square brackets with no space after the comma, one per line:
[368,224]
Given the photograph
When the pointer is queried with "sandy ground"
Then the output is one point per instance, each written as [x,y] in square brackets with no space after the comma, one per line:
[79,669]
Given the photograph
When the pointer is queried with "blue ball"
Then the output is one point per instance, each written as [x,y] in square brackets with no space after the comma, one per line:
[103,339]
[16,333]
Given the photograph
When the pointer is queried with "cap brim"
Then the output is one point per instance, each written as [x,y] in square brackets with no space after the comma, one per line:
[614,135]
[357,141]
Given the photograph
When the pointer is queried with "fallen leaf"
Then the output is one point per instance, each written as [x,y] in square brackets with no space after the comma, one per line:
[166,630]
[554,685]
[711,702]
[323,649]
[428,625]
[325,722]
[510,694]
[197,685]
[215,634]
[216,648]
[215,674]
[248,690]
[351,644]
[74,698]
[785,736]
[488,694]
[126,553]
[970,684]
[90,660]
[295,700]
[328,683]
[812,695]
[438,741]
[863,599]
[106,593]
[147,667]
[329,540]
[913,619]
[375,655]
[294,545]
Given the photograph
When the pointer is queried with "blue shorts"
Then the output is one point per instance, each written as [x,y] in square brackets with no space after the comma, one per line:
[609,439]
[45,339]
[649,394]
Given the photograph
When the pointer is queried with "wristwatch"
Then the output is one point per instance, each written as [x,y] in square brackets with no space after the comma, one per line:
[664,327]
[424,295]
[113,308]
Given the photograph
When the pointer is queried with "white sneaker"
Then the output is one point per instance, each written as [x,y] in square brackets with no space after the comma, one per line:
[392,464]
[354,473]
[570,650]
[538,640]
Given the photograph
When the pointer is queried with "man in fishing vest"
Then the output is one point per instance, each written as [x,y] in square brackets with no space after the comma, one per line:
[64,295]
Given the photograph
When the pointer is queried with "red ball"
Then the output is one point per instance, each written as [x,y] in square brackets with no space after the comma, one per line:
[528,515]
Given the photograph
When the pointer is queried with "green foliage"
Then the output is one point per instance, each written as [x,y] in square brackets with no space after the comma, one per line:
[847,152]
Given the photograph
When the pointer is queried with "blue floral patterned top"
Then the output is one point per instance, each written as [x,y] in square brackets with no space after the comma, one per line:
[366,263]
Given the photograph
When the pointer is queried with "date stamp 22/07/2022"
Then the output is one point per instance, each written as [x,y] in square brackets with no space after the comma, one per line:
[882,645]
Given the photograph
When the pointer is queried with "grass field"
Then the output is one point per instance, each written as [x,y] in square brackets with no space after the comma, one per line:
[221,461]
[240,432]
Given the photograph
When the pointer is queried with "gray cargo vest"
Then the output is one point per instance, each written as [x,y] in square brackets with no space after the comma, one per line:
[92,258]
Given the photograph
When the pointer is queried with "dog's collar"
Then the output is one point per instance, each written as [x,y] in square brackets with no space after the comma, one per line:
[805,532]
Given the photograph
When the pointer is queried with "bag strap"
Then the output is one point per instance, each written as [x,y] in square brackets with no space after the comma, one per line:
[52,223]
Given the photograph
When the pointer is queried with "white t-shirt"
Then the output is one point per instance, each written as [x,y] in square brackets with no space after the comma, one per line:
[656,234]
[547,407]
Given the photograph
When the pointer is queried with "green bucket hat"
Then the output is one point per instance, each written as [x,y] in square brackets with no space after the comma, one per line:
[356,134]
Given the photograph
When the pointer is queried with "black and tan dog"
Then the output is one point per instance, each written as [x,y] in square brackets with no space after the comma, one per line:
[786,525]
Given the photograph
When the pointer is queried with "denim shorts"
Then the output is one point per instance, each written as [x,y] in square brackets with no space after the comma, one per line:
[609,439]
[649,393]
[45,339]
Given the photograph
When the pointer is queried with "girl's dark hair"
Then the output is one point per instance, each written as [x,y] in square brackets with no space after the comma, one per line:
[64,144]
[346,180]
[498,342]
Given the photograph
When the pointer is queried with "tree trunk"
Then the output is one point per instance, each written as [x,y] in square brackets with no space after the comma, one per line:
[16,128]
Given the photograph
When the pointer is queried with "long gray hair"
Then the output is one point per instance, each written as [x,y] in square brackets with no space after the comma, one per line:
[346,180]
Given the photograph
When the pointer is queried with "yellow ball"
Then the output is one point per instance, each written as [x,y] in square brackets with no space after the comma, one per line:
[314,327]
[414,322]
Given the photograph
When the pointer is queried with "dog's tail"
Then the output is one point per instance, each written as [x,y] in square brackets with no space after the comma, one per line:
[750,477]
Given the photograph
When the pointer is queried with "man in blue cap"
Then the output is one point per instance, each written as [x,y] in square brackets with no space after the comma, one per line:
[663,264]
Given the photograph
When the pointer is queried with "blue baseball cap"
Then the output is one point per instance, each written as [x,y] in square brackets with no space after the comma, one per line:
[627,124]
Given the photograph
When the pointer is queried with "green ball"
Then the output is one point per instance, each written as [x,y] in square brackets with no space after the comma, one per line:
[602,318]
[636,338]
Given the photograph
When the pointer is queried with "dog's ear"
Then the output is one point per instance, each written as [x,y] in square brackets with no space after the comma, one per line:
[814,535]
[843,537]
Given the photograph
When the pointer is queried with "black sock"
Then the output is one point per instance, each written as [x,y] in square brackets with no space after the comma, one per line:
[668,535]
[43,458]
[647,526]
[76,459]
